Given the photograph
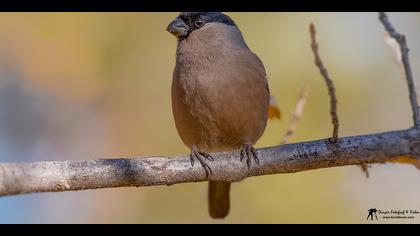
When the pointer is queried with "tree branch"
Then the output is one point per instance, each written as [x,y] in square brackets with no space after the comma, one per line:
[59,176]
[400,38]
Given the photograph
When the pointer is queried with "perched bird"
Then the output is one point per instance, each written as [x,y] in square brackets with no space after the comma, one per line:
[220,95]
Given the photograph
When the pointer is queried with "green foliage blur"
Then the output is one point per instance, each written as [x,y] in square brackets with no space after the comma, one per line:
[97,85]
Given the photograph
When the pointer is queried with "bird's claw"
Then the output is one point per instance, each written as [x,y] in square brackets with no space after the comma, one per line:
[200,156]
[248,151]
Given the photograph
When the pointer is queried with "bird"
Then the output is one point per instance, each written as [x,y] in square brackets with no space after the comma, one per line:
[220,95]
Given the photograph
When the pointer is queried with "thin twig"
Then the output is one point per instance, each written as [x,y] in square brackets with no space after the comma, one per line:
[297,114]
[329,82]
[400,38]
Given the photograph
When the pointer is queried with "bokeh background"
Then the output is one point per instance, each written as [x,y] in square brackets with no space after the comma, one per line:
[77,86]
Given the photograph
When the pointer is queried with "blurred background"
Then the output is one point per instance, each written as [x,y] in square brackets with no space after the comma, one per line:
[76,86]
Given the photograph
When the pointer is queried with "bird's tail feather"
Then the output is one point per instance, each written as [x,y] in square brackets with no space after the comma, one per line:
[219,202]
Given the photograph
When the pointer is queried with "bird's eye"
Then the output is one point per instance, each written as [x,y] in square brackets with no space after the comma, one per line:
[199,23]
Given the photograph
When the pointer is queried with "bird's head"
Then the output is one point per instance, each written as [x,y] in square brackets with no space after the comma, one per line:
[187,22]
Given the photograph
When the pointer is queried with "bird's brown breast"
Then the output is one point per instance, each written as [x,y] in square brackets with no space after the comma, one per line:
[220,96]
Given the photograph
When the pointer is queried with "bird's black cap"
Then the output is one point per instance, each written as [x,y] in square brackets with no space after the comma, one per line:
[190,18]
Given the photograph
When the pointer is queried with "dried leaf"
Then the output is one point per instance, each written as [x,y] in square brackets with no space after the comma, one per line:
[407,160]
[404,160]
[273,109]
[393,44]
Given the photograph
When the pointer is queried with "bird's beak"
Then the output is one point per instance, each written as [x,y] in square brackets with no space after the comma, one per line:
[178,28]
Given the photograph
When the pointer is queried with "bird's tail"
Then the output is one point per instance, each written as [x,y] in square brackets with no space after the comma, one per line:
[219,202]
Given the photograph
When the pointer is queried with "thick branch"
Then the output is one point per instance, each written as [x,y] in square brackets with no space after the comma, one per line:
[400,38]
[328,81]
[289,158]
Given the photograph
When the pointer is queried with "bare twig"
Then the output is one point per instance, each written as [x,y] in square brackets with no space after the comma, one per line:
[406,63]
[330,84]
[289,158]
[297,114]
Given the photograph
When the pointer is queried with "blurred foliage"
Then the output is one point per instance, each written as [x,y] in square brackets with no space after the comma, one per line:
[97,85]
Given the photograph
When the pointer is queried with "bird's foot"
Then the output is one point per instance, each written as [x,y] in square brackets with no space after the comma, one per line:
[248,151]
[200,156]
